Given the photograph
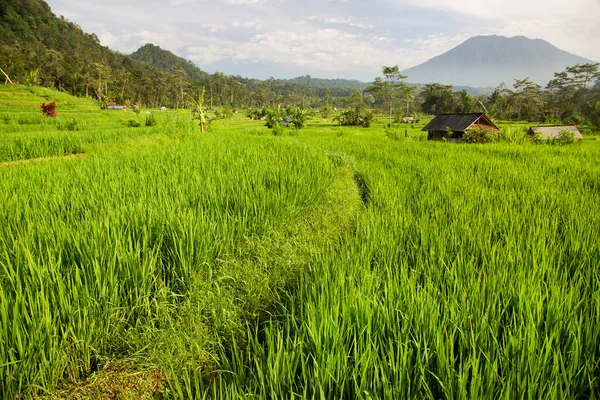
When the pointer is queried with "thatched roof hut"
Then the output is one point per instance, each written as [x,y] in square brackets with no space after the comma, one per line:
[441,125]
[553,132]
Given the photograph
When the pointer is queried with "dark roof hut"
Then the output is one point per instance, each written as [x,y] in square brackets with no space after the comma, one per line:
[553,132]
[440,127]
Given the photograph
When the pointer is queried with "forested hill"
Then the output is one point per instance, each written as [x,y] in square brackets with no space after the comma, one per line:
[319,83]
[39,48]
[32,38]
[166,61]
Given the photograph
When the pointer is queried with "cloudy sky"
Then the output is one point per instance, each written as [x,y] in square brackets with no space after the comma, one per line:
[327,38]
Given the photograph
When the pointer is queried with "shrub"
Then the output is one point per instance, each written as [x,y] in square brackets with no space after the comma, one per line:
[32,78]
[273,116]
[134,123]
[566,136]
[299,116]
[392,133]
[278,130]
[537,138]
[69,125]
[257,113]
[326,112]
[224,113]
[49,110]
[480,135]
[150,120]
[358,116]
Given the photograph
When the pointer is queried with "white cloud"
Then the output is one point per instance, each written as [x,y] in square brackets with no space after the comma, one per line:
[333,37]
[572,26]
[246,2]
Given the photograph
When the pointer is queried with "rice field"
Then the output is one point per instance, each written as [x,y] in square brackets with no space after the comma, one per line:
[338,263]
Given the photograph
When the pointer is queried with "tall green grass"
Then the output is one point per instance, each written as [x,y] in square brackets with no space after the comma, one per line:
[469,271]
[473,273]
[98,255]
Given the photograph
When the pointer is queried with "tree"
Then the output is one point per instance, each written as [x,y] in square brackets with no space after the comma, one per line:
[437,98]
[180,79]
[355,99]
[53,70]
[100,74]
[299,116]
[200,111]
[582,75]
[391,89]
[464,102]
[525,102]
[570,92]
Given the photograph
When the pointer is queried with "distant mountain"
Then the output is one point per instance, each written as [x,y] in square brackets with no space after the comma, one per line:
[487,61]
[166,61]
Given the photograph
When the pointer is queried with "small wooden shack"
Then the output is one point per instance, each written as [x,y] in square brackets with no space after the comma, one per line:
[553,132]
[440,127]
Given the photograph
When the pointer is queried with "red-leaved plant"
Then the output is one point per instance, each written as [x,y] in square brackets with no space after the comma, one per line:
[49,110]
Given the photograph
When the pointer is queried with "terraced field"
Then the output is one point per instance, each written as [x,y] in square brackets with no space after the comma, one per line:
[335,263]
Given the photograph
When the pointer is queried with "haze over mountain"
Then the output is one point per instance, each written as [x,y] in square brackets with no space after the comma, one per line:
[487,61]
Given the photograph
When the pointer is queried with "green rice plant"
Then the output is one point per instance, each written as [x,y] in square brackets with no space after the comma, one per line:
[392,133]
[257,131]
[112,253]
[317,266]
[278,130]
[179,125]
[30,120]
[472,273]
[133,123]
[6,118]
[72,124]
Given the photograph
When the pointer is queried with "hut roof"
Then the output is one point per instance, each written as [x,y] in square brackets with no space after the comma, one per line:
[457,122]
[549,132]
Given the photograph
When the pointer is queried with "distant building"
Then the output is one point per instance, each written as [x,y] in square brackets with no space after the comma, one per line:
[115,106]
[553,132]
[453,126]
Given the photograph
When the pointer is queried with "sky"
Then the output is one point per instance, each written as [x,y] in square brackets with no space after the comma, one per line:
[349,39]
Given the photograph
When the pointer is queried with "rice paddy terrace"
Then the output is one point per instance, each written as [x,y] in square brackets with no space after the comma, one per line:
[140,258]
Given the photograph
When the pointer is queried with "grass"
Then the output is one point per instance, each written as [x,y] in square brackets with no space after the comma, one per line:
[472,273]
[340,262]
